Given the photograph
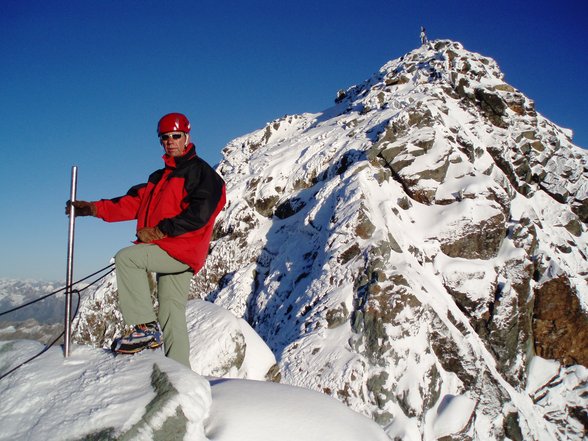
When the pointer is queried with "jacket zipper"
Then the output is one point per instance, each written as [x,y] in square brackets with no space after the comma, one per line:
[157,188]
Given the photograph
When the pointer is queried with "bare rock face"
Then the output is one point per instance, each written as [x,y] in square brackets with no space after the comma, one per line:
[560,325]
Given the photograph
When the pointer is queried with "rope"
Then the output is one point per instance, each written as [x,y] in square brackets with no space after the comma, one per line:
[58,291]
[45,349]
[76,291]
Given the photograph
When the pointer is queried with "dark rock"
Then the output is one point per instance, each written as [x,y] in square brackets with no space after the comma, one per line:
[481,241]
[404,203]
[512,428]
[436,174]
[492,105]
[338,316]
[273,374]
[560,325]
[351,252]
[365,228]
[265,206]
[580,208]
[289,208]
[509,325]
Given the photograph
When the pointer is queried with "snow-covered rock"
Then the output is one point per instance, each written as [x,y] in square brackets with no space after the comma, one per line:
[223,345]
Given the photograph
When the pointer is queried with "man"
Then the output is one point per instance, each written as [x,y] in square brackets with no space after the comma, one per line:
[175,212]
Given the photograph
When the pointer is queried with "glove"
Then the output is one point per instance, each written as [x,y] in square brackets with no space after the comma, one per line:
[82,208]
[150,234]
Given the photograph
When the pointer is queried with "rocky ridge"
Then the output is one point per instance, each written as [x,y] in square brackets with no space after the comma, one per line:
[421,240]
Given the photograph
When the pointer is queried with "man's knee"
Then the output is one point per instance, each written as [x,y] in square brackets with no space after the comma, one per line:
[121,258]
[126,255]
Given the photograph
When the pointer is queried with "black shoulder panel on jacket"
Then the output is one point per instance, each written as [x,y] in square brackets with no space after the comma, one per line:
[133,192]
[156,176]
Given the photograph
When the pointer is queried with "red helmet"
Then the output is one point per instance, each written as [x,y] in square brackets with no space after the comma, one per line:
[173,122]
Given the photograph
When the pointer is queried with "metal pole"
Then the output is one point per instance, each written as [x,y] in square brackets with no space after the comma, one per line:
[70,255]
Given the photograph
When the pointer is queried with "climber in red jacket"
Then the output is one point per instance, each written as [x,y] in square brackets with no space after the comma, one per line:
[175,212]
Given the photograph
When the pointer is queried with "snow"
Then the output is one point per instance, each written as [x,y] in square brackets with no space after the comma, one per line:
[57,398]
[540,372]
[261,411]
[453,413]
[352,226]
[473,276]
[93,392]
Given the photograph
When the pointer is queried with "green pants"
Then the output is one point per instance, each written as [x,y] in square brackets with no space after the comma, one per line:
[134,295]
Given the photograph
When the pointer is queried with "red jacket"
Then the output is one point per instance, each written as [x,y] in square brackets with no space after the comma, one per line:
[183,200]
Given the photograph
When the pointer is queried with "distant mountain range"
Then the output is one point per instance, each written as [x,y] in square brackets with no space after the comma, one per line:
[41,321]
[14,292]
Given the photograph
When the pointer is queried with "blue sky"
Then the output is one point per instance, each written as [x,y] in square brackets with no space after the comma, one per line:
[84,83]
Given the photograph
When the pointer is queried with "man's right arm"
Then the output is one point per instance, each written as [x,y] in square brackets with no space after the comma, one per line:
[111,210]
[122,208]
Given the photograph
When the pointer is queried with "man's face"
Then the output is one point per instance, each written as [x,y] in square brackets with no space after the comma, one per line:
[174,143]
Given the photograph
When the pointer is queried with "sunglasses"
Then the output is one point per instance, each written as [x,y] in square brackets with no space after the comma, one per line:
[168,136]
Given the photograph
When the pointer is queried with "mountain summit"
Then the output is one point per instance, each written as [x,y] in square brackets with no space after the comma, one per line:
[417,251]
